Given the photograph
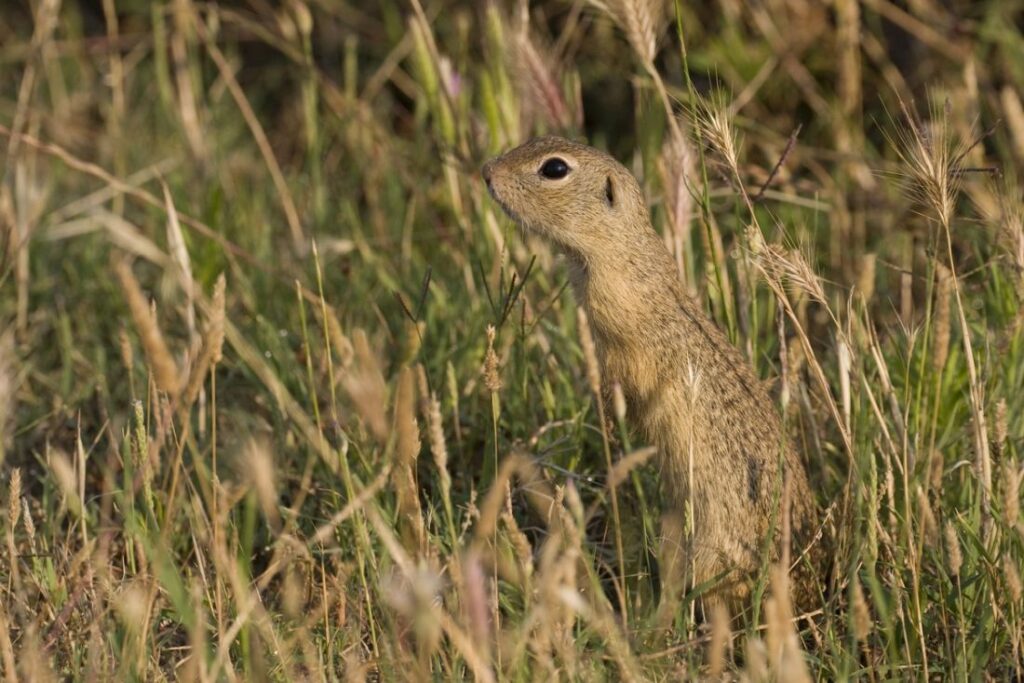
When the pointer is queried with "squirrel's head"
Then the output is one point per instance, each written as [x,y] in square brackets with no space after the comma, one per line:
[576,196]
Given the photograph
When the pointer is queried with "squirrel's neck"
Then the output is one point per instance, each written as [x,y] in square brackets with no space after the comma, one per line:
[628,292]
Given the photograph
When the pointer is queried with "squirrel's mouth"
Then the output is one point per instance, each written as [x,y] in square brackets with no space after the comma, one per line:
[524,225]
[504,206]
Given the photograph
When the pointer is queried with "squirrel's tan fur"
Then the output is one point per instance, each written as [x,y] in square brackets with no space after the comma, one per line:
[689,391]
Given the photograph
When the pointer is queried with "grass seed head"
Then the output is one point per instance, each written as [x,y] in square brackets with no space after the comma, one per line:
[492,366]
[14,499]
[589,352]
[364,383]
[721,637]
[1011,575]
[953,554]
[861,614]
[1011,492]
[165,369]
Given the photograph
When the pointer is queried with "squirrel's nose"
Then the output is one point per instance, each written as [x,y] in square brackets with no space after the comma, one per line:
[486,172]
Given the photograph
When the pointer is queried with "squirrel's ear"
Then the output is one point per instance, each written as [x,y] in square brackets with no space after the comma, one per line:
[609,192]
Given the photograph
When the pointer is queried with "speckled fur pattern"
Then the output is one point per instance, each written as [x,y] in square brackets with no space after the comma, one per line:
[689,391]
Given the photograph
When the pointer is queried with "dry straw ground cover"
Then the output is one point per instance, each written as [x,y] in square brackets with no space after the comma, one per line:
[283,395]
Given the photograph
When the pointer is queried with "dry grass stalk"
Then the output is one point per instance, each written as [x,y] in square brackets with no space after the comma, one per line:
[66,479]
[712,122]
[365,385]
[589,352]
[928,153]
[13,512]
[121,232]
[784,654]
[642,21]
[260,473]
[326,530]
[46,19]
[866,276]
[953,555]
[342,344]
[558,570]
[618,402]
[475,601]
[1001,426]
[756,668]
[188,108]
[7,391]
[783,265]
[14,500]
[519,542]
[862,623]
[179,254]
[1013,112]
[213,344]
[721,638]
[165,370]
[117,185]
[30,526]
[514,464]
[628,463]
[227,73]
[125,346]
[1011,576]
[537,75]
[936,468]
[32,659]
[943,287]
[438,446]
[931,156]
[403,475]
[7,648]
[926,518]
[1011,493]
[492,367]
[1012,230]
[676,166]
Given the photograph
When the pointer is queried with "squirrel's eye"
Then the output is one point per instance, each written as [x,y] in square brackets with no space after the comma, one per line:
[554,168]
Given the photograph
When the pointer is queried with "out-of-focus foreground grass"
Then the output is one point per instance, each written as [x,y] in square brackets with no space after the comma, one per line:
[284,396]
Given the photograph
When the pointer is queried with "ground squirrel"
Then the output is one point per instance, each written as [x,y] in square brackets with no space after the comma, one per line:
[689,391]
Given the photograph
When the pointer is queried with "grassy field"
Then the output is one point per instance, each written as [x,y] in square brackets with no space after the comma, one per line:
[284,396]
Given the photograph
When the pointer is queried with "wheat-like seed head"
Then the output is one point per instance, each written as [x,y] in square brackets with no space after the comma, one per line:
[929,153]
[641,20]
[539,81]
[711,117]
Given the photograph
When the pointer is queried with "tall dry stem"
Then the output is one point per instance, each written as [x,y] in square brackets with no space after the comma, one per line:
[403,476]
[165,369]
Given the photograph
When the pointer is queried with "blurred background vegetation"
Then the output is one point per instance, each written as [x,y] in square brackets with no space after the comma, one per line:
[283,395]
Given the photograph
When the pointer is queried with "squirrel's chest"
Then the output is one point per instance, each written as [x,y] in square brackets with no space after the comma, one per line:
[633,368]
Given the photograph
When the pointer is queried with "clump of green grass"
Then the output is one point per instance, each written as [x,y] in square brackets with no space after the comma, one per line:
[284,396]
